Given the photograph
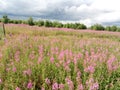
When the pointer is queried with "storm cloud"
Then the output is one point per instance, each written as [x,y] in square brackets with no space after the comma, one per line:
[84,11]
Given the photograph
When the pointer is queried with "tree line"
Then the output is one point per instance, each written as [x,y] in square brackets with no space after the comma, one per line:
[57,24]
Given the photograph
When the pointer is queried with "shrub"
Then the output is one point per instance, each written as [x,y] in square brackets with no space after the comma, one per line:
[20,21]
[118,29]
[81,26]
[24,22]
[5,19]
[114,28]
[48,23]
[11,21]
[57,24]
[40,23]
[15,22]
[30,21]
[97,27]
[75,26]
[68,25]
[108,28]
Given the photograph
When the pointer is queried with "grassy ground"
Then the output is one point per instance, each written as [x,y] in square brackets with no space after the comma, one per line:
[35,58]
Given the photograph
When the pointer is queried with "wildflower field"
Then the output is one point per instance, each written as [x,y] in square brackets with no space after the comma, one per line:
[39,58]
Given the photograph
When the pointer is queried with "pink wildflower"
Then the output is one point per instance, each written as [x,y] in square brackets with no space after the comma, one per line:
[61,86]
[57,64]
[61,55]
[52,59]
[17,88]
[0,81]
[94,86]
[75,60]
[0,55]
[110,64]
[47,81]
[80,87]
[7,69]
[79,55]
[55,86]
[40,49]
[29,85]
[70,84]
[78,74]
[67,68]
[32,55]
[56,50]
[90,81]
[14,69]
[52,51]
[17,56]
[42,88]
[90,69]
[27,72]
[39,60]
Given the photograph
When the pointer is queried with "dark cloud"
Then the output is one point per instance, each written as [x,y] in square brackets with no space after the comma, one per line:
[84,11]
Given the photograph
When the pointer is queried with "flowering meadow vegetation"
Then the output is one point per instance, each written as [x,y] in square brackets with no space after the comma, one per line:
[39,58]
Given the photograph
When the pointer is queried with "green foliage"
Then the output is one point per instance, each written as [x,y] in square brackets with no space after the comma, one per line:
[108,28]
[30,21]
[57,24]
[97,27]
[118,29]
[67,25]
[5,19]
[48,23]
[113,28]
[75,26]
[19,21]
[16,21]
[45,57]
[40,23]
[11,21]
[80,26]
[24,22]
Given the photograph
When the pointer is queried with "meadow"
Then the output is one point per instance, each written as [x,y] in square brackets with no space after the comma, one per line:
[39,58]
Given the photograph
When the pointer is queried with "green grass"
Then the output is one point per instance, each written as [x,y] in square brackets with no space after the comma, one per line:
[32,55]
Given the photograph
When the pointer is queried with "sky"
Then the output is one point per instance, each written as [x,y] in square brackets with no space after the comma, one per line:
[88,12]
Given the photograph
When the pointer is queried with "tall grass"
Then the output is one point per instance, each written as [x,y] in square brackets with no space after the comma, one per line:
[45,59]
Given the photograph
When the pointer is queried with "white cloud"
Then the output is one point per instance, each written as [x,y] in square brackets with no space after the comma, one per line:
[84,11]
[87,21]
[109,17]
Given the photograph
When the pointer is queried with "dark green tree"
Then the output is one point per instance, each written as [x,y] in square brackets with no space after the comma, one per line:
[57,24]
[118,29]
[67,25]
[30,21]
[5,19]
[48,23]
[81,26]
[108,28]
[24,22]
[40,23]
[97,27]
[114,28]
